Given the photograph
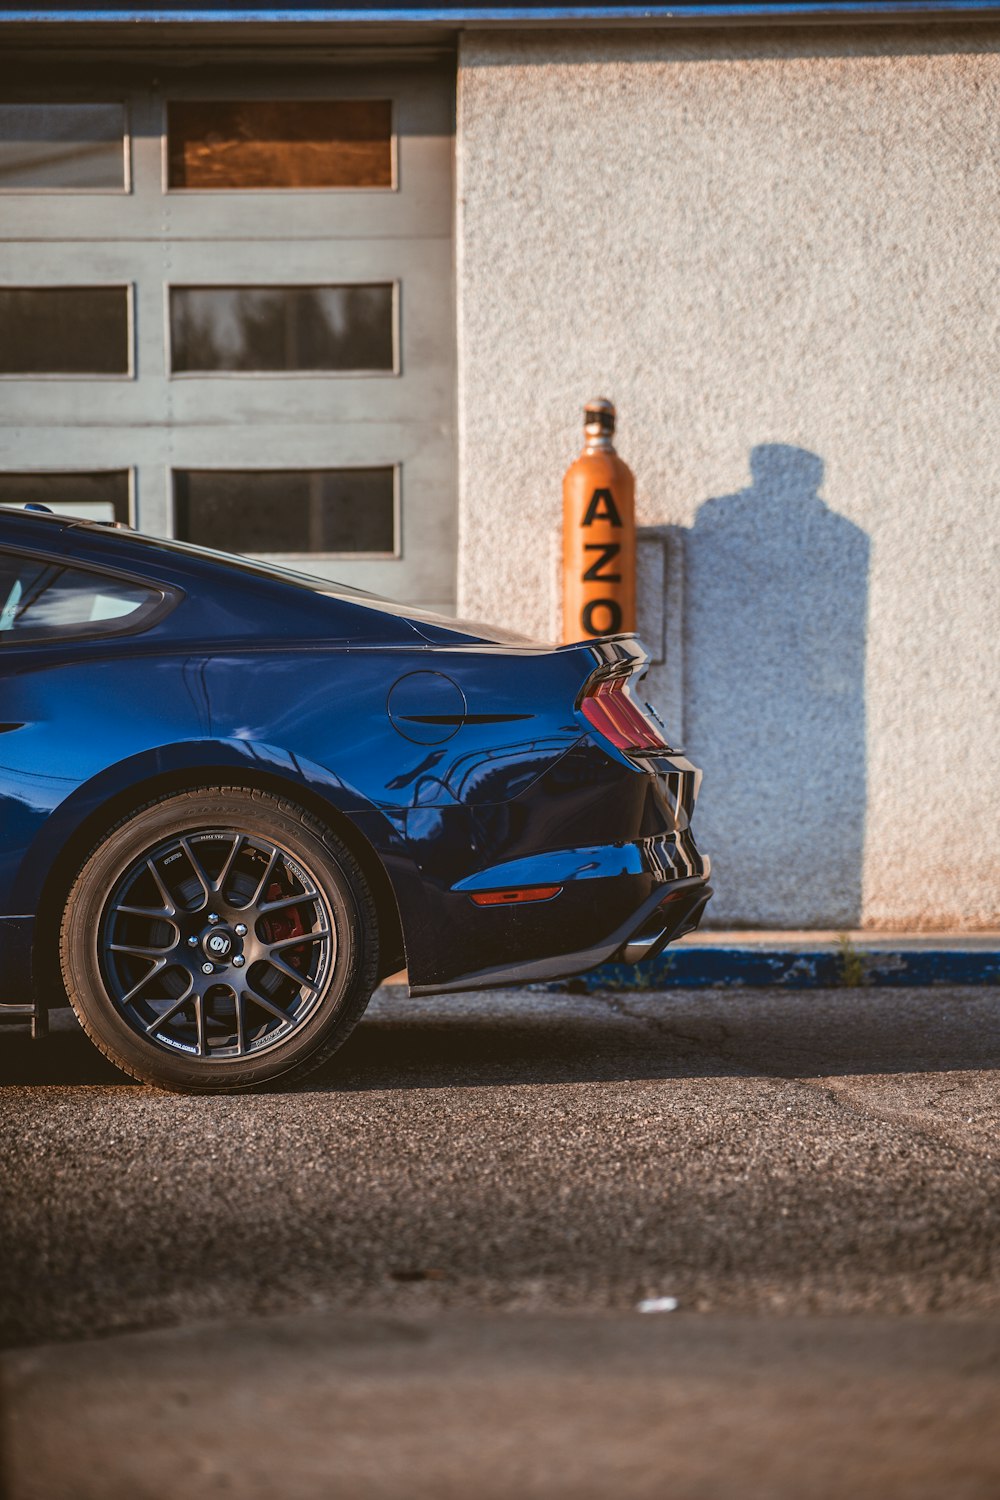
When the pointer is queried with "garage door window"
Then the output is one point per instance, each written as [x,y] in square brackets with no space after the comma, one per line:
[222,144]
[90,495]
[63,147]
[282,329]
[326,512]
[65,330]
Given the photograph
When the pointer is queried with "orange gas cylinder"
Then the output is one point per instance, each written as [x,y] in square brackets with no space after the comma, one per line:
[598,534]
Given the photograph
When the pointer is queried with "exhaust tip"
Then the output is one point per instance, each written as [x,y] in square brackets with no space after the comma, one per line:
[644,945]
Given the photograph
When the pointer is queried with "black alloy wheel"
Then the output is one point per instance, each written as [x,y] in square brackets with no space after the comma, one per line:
[218,940]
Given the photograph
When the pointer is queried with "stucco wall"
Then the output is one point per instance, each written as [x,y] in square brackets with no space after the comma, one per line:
[778,253]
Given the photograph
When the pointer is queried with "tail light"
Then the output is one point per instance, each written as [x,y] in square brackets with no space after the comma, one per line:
[610,710]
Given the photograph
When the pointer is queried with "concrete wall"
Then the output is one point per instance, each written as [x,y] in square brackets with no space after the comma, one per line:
[778,253]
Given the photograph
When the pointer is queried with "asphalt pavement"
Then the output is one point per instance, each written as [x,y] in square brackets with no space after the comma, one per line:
[422,1272]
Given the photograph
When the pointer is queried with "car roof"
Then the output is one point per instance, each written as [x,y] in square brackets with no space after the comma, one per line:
[47,524]
[304,596]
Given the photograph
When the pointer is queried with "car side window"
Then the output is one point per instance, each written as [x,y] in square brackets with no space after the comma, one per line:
[41,599]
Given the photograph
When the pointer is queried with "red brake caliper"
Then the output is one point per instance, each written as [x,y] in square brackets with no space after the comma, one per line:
[284,924]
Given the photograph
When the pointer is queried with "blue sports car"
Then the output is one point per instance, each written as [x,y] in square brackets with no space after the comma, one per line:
[235,798]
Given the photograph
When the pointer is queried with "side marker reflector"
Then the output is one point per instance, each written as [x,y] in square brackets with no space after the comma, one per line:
[524,893]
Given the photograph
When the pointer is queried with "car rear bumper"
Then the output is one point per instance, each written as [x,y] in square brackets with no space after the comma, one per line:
[638,897]
[550,882]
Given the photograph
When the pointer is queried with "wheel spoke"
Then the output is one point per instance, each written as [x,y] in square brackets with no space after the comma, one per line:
[290,973]
[139,952]
[296,942]
[197,869]
[158,967]
[168,904]
[266,907]
[256,998]
[199,1018]
[154,913]
[171,1009]
[219,886]
[240,1038]
[262,883]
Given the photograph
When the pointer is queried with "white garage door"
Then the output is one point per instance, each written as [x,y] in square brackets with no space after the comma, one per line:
[226,310]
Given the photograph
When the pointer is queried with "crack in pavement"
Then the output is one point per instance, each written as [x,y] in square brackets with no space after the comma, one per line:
[722,1047]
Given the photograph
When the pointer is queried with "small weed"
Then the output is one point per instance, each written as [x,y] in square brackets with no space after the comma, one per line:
[852,964]
[657,976]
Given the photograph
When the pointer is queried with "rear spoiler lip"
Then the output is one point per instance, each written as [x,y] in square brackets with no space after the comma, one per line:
[612,656]
[612,648]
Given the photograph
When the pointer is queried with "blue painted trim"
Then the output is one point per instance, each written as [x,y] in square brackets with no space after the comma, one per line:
[491,14]
[792,969]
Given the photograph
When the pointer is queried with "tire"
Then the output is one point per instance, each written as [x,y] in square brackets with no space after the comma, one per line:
[238,883]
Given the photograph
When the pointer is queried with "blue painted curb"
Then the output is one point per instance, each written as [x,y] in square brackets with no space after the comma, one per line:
[793,969]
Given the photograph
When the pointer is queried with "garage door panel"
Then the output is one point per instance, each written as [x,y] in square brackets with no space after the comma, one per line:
[424,213]
[89,403]
[75,263]
[75,446]
[426,537]
[100,404]
[273,258]
[150,394]
[422,460]
[268,258]
[418,205]
[292,444]
[327,404]
[423,209]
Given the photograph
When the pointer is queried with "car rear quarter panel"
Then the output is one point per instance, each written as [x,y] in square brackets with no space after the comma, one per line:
[97,727]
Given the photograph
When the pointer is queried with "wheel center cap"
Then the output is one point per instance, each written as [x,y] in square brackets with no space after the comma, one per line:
[218,944]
